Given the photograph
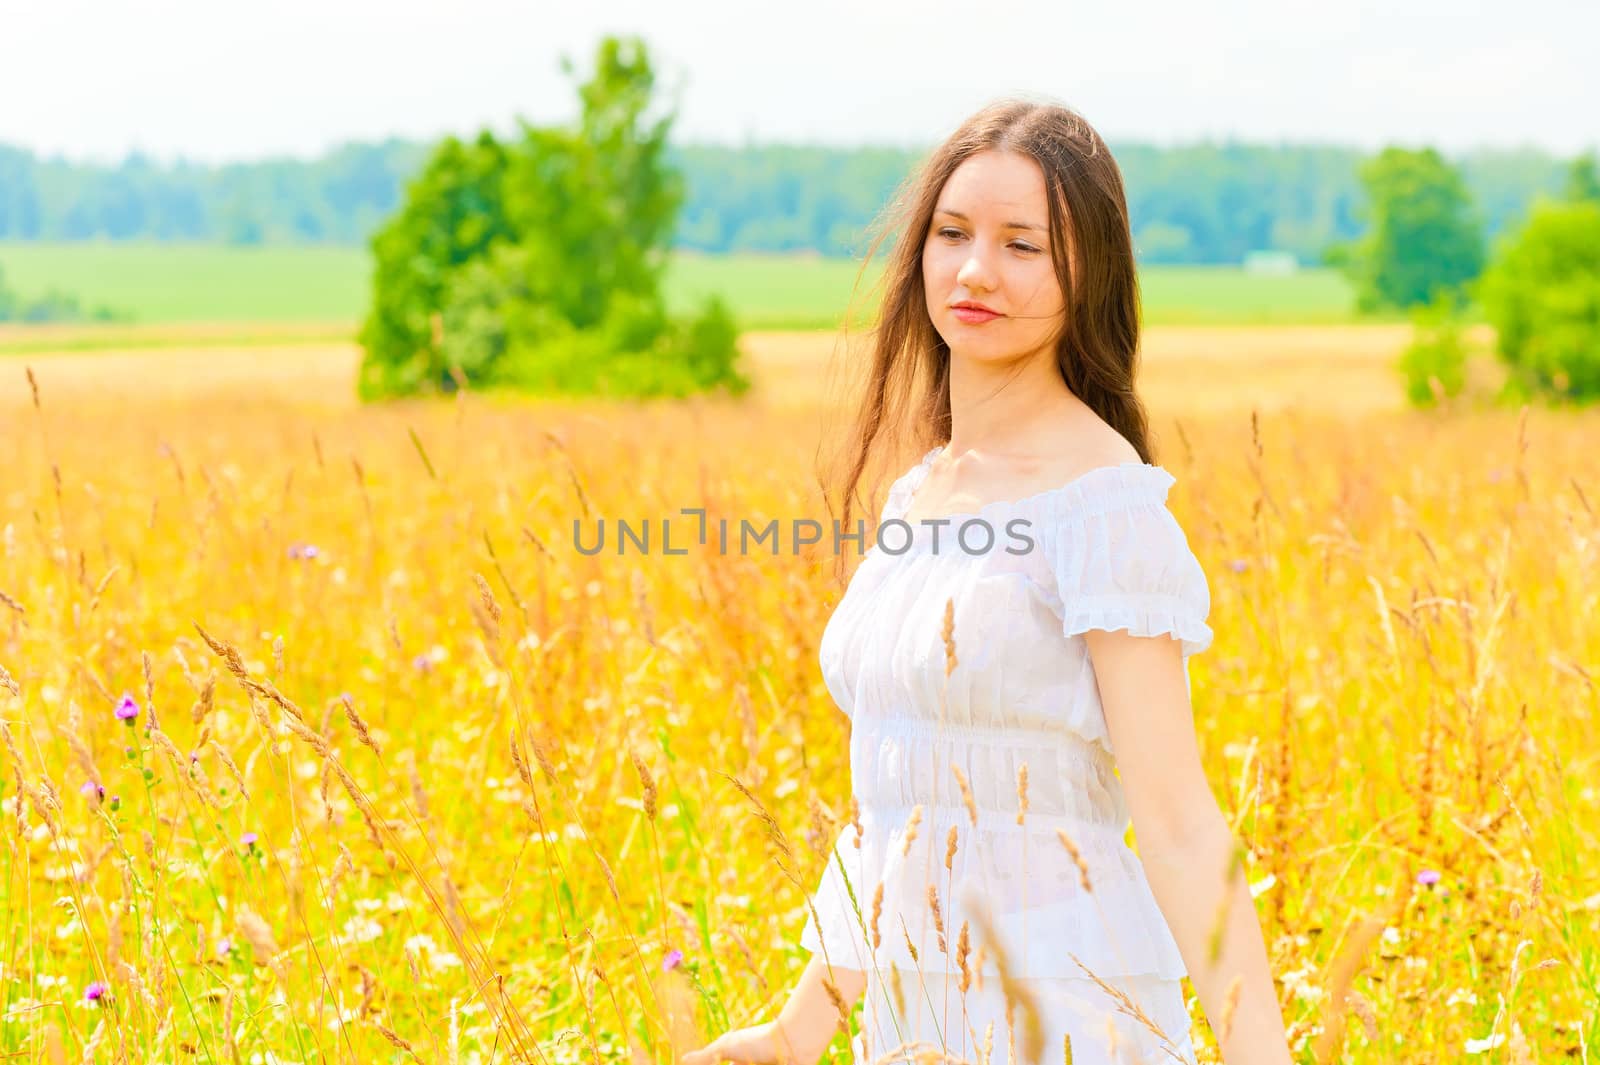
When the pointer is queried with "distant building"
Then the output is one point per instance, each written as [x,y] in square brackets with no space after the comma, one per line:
[1274,263]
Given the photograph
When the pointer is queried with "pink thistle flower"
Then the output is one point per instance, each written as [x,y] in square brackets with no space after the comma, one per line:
[96,991]
[673,959]
[127,709]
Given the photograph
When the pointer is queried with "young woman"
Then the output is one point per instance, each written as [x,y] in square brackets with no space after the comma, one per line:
[1012,653]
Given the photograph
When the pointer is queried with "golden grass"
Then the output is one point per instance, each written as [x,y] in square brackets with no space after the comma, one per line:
[494,783]
[1344,369]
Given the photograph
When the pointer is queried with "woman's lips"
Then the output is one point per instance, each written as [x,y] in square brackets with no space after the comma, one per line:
[974,316]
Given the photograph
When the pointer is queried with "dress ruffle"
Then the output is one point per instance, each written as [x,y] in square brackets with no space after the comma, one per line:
[1151,616]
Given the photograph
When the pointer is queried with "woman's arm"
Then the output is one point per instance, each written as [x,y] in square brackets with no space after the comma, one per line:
[809,1019]
[803,1029]
[1185,843]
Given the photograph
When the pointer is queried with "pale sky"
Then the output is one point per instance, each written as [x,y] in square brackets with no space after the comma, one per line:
[215,80]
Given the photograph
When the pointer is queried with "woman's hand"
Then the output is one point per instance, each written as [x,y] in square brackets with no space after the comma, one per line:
[760,1044]
[805,1026]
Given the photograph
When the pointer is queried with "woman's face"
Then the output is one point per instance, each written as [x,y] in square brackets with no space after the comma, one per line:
[989,243]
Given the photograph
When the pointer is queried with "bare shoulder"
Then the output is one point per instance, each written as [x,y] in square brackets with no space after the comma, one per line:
[1084,442]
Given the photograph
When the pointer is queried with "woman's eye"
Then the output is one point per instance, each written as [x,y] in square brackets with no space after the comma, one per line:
[951,233]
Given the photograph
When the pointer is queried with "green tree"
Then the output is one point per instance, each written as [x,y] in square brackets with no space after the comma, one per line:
[1424,235]
[1542,294]
[453,214]
[1583,183]
[537,263]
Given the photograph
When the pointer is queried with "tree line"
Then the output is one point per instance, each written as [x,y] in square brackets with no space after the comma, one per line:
[1198,203]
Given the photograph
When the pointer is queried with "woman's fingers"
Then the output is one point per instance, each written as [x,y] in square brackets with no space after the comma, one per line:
[706,1055]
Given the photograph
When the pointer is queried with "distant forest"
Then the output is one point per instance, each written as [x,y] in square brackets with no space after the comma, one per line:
[1200,203]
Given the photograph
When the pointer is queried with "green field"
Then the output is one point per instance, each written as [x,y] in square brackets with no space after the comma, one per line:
[211,283]
[196,282]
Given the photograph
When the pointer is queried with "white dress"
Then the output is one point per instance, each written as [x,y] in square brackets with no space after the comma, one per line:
[1099,552]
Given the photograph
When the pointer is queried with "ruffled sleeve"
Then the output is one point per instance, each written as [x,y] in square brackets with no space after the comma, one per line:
[1120,560]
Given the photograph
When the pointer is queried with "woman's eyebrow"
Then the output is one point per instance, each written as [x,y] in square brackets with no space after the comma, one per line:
[1008,225]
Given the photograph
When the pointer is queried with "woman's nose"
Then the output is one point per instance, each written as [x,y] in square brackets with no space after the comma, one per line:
[974,273]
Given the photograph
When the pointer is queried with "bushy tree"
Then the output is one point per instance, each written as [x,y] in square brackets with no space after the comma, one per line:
[1542,294]
[1424,236]
[1434,364]
[453,214]
[537,263]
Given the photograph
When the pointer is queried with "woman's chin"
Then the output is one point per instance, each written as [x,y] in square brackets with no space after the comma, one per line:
[995,353]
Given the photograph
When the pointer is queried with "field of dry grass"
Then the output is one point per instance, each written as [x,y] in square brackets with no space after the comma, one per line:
[410,778]
[1346,368]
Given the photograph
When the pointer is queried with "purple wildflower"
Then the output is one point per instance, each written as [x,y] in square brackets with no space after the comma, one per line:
[127,710]
[673,959]
[96,991]
[248,839]
[92,789]
[1428,876]
[1238,565]
[311,551]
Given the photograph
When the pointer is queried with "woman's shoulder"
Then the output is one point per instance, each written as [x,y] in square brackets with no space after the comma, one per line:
[1110,481]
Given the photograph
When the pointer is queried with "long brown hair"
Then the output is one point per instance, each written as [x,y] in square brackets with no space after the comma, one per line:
[905,394]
